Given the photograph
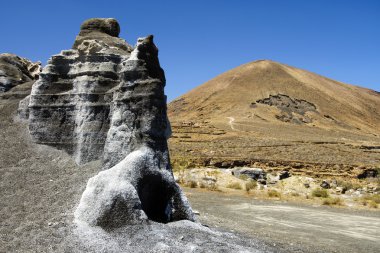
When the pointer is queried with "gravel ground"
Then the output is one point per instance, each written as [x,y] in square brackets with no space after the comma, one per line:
[290,227]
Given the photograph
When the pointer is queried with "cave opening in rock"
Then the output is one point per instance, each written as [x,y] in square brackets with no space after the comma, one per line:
[155,196]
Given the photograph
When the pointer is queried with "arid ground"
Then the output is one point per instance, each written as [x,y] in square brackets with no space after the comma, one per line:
[41,186]
[296,228]
[270,115]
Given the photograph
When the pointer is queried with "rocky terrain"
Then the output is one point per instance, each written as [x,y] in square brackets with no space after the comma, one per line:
[97,114]
[276,117]
[15,70]
[85,167]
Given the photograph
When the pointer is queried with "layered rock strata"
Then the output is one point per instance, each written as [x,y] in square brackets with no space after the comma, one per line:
[105,100]
[15,70]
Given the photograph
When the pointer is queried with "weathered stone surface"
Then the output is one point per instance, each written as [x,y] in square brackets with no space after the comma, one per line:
[284,174]
[253,173]
[176,237]
[104,31]
[368,173]
[103,100]
[15,70]
[325,184]
[133,191]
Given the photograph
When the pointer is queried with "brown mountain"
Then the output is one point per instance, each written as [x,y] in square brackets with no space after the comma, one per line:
[268,112]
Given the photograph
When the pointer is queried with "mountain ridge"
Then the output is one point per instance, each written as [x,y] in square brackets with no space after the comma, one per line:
[264,78]
[269,111]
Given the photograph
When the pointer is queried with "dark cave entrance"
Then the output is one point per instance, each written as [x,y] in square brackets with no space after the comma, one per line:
[155,195]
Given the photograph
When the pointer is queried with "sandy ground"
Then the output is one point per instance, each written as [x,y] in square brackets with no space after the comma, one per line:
[296,228]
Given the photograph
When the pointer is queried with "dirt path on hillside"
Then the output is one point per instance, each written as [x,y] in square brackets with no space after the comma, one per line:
[231,122]
[290,227]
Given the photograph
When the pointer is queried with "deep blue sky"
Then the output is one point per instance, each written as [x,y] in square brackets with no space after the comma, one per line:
[198,39]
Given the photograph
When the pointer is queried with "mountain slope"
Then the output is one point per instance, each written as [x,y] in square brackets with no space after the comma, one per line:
[265,103]
[238,93]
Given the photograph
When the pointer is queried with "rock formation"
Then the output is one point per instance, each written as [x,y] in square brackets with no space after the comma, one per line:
[104,99]
[15,70]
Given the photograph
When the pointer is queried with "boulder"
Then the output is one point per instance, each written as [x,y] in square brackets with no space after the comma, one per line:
[284,174]
[253,173]
[340,190]
[104,31]
[325,184]
[15,70]
[132,192]
[368,173]
[105,100]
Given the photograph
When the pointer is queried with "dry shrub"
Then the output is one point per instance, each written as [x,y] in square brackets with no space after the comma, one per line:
[244,177]
[295,194]
[320,193]
[348,185]
[372,200]
[333,201]
[191,184]
[372,204]
[202,185]
[373,197]
[251,184]
[213,187]
[234,185]
[274,194]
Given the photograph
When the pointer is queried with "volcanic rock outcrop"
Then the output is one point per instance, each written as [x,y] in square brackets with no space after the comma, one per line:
[104,99]
[15,70]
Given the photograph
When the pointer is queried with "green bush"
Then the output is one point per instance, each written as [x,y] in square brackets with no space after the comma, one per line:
[320,193]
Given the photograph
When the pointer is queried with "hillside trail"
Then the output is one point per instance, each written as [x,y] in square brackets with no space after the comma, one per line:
[231,122]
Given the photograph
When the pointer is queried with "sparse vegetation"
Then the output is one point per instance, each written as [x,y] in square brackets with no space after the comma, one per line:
[372,204]
[234,185]
[181,164]
[191,184]
[251,184]
[372,200]
[274,194]
[202,185]
[333,201]
[213,187]
[348,185]
[320,193]
[244,177]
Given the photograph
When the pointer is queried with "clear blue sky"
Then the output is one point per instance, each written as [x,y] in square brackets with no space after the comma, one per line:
[198,39]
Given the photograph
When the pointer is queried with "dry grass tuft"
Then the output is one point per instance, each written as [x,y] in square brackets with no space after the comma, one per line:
[274,194]
[191,184]
[234,185]
[251,184]
[333,201]
[320,193]
[372,200]
[244,177]
[348,185]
